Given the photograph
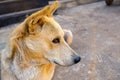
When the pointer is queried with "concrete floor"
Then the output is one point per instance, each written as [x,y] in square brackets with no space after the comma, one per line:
[96,30]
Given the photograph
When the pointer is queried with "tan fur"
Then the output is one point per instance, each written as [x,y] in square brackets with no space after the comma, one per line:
[31,53]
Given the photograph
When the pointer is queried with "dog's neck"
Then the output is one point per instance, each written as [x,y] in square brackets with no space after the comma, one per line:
[23,69]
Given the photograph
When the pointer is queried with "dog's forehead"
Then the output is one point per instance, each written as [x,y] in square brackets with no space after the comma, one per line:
[54,27]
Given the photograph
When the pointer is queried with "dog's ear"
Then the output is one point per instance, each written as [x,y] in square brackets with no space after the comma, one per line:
[68,37]
[37,27]
[36,19]
[52,9]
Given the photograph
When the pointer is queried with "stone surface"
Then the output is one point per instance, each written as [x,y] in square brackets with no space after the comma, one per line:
[96,30]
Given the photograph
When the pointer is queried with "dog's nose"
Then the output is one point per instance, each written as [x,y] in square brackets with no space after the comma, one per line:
[77,59]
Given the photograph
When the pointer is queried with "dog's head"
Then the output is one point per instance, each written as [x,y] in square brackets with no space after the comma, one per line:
[41,38]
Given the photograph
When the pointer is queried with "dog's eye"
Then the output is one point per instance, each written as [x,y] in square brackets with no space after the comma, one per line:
[56,40]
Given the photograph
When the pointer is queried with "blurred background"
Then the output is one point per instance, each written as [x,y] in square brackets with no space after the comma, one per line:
[12,11]
[96,29]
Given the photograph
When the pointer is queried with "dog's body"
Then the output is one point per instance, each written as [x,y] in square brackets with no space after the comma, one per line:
[35,46]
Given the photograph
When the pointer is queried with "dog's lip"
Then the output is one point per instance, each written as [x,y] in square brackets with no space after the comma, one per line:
[62,65]
[56,62]
[53,61]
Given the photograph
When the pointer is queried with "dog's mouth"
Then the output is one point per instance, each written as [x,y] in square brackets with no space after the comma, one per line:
[56,62]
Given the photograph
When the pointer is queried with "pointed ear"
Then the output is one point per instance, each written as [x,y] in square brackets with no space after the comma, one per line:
[46,11]
[52,9]
[36,17]
[37,27]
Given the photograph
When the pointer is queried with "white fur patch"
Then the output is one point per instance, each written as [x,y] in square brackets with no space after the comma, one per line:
[25,74]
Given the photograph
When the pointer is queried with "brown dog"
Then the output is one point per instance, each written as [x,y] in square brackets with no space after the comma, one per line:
[35,46]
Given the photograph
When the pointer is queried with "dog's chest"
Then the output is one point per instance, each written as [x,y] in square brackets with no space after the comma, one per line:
[25,74]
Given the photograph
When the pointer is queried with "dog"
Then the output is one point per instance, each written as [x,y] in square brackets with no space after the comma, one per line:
[35,47]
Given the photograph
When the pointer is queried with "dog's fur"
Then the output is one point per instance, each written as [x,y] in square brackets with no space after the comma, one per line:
[35,46]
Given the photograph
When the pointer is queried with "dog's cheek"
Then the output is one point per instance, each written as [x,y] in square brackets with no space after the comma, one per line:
[52,55]
[49,45]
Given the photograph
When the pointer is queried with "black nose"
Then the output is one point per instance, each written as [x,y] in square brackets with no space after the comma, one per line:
[77,59]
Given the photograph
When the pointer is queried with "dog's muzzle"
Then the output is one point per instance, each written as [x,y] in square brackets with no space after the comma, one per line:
[75,60]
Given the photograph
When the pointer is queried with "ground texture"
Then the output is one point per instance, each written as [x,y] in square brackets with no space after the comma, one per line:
[96,30]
